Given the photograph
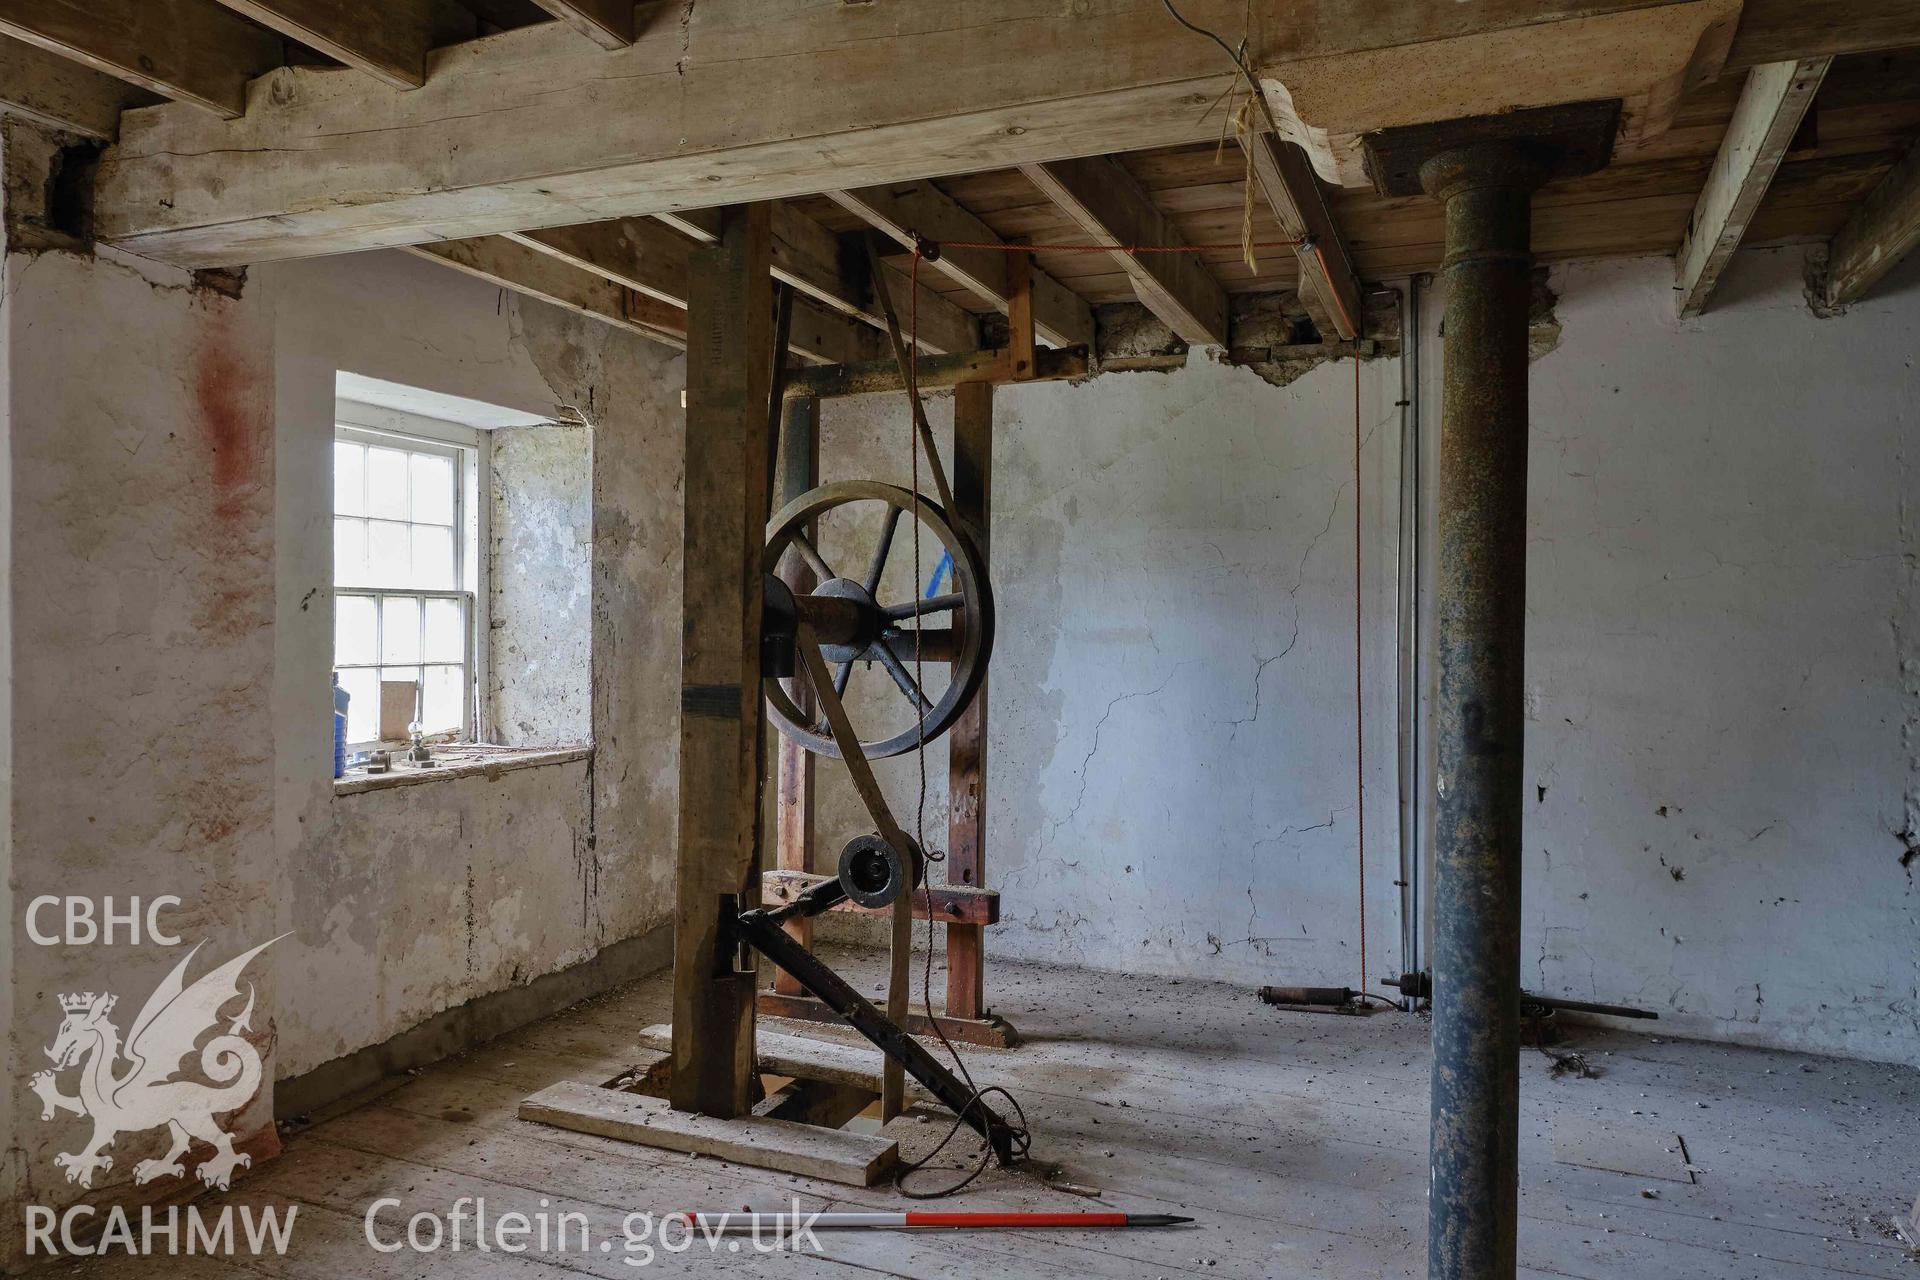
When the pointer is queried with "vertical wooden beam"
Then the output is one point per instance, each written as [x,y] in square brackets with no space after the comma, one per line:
[793,812]
[1765,119]
[1020,353]
[729,317]
[967,740]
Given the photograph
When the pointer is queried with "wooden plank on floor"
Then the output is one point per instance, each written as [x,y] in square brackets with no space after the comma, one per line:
[836,1155]
[804,1058]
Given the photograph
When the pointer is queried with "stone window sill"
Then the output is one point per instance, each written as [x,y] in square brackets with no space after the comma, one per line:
[463,761]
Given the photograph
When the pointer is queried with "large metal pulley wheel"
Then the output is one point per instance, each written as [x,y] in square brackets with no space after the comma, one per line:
[871,620]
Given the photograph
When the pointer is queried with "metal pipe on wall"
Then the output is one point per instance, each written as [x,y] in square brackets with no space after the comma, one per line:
[1408,572]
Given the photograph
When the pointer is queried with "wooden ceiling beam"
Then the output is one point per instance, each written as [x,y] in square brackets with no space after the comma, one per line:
[1771,106]
[501,261]
[62,94]
[651,259]
[735,103]
[1329,287]
[909,209]
[808,256]
[190,50]
[608,23]
[1788,30]
[387,39]
[1111,206]
[1878,235]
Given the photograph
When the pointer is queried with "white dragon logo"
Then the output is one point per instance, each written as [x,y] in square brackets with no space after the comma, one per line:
[147,1095]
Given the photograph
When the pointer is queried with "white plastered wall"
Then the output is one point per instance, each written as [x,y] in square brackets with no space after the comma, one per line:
[1721,658]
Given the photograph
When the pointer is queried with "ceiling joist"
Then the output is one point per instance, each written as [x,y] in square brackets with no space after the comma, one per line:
[1106,202]
[194,51]
[1879,234]
[608,23]
[809,257]
[906,210]
[62,94]
[388,40]
[651,259]
[533,274]
[1772,104]
[1329,288]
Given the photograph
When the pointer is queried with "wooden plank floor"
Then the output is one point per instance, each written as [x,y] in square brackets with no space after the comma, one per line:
[1298,1141]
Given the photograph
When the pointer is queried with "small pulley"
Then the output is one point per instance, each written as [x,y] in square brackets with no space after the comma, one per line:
[875,874]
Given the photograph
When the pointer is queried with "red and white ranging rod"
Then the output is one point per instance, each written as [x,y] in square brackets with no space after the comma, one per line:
[775,1223]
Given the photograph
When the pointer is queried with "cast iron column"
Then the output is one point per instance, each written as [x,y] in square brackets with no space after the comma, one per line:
[1485,171]
[1488,190]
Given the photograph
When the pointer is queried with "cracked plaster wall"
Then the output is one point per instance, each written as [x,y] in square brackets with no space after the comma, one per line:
[542,585]
[1723,776]
[1170,781]
[1722,779]
[412,901]
[137,492]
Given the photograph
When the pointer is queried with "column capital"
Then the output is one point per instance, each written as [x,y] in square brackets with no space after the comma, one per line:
[1514,149]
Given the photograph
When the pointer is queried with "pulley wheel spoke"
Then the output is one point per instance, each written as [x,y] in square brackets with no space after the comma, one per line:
[901,676]
[879,563]
[815,561]
[932,604]
[840,678]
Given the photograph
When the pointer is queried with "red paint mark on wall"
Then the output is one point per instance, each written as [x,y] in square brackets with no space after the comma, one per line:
[233,412]
[233,417]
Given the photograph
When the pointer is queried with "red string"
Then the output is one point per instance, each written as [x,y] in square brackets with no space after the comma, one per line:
[1104,248]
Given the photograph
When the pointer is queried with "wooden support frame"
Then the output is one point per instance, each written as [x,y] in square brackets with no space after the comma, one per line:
[1771,106]
[722,725]
[794,768]
[967,740]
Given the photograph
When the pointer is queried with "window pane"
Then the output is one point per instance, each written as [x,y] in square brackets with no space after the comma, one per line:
[443,700]
[387,484]
[350,552]
[400,629]
[446,637]
[389,559]
[349,479]
[356,629]
[432,558]
[432,489]
[363,712]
